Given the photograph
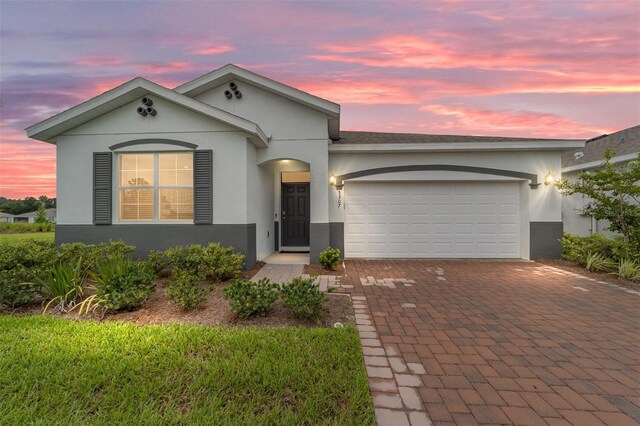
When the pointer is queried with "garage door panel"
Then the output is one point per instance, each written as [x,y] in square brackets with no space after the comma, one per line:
[432,219]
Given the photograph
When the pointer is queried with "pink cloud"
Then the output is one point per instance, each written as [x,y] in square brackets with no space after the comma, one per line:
[213,50]
[165,67]
[508,123]
[100,61]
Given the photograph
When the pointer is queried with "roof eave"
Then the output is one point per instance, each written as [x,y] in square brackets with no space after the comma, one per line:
[593,164]
[457,146]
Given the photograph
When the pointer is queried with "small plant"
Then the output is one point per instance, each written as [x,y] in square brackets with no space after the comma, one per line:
[157,261]
[304,298]
[120,283]
[330,258]
[186,258]
[629,269]
[599,262]
[62,286]
[249,298]
[185,290]
[17,287]
[221,263]
[91,254]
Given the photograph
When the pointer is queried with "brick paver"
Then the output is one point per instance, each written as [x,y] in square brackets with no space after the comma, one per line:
[502,342]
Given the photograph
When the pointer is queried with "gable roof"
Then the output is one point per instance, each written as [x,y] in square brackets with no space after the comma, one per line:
[50,128]
[3,214]
[231,72]
[625,143]
[355,141]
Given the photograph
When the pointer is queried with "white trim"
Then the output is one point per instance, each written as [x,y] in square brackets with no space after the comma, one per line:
[50,128]
[593,164]
[456,146]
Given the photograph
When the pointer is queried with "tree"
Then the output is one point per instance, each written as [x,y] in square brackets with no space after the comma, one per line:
[615,194]
[41,215]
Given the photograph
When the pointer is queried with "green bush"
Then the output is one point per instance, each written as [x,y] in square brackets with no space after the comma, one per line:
[330,258]
[249,298]
[120,283]
[27,253]
[62,285]
[157,261]
[184,289]
[213,261]
[577,248]
[628,269]
[222,263]
[21,228]
[304,298]
[17,287]
[91,254]
[186,258]
[599,262]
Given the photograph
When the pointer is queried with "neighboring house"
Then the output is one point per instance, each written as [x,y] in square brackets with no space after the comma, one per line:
[625,144]
[6,217]
[30,217]
[243,160]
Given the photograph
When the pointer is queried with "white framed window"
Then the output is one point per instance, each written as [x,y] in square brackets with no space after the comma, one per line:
[155,187]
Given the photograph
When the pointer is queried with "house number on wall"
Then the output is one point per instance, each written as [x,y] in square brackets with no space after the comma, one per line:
[339,198]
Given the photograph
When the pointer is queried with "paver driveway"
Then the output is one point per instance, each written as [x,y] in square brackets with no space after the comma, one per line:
[496,342]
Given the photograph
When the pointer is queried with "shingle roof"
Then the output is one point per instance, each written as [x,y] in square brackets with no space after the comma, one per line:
[350,137]
[624,142]
[3,214]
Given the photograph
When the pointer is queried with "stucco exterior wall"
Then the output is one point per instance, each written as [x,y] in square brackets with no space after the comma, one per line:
[576,223]
[75,149]
[260,202]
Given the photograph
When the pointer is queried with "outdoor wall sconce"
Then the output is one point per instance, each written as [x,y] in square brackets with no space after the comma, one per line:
[332,180]
[550,179]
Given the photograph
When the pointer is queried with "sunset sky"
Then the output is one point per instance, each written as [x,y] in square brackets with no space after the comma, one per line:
[557,69]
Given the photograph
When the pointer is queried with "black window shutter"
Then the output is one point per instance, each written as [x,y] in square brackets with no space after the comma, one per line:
[203,187]
[102,188]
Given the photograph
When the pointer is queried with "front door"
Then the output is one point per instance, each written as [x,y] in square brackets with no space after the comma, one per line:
[295,214]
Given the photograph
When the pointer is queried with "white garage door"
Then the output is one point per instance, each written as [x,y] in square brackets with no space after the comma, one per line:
[432,219]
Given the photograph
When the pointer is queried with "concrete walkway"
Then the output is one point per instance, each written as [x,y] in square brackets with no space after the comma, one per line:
[278,273]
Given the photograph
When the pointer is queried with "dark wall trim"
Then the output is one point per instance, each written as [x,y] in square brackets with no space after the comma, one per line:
[318,240]
[276,234]
[545,240]
[336,236]
[153,141]
[162,236]
[533,178]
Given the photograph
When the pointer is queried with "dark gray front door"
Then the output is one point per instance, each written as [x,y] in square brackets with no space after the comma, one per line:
[295,214]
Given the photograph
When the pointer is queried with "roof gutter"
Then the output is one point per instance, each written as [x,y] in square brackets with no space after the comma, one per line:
[594,164]
[456,146]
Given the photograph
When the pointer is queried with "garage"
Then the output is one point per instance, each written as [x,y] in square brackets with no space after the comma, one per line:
[433,219]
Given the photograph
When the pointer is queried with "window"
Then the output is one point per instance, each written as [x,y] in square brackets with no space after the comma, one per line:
[155,187]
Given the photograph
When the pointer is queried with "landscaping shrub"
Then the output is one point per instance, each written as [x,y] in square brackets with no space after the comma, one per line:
[599,262]
[577,248]
[186,258]
[185,290]
[304,298]
[628,269]
[213,261]
[120,283]
[28,253]
[157,261]
[62,285]
[222,263]
[91,254]
[16,287]
[330,258]
[249,298]
[21,228]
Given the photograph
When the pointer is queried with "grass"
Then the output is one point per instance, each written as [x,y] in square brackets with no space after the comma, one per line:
[45,236]
[56,371]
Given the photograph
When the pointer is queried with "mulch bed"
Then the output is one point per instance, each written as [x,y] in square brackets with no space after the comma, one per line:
[600,276]
[321,270]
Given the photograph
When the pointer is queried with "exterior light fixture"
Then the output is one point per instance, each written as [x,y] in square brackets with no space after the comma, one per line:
[333,180]
[550,179]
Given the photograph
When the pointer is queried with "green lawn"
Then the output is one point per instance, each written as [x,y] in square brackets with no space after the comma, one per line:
[56,371]
[46,236]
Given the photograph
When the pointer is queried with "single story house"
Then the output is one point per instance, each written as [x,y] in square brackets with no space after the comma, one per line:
[30,217]
[6,217]
[238,158]
[625,144]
